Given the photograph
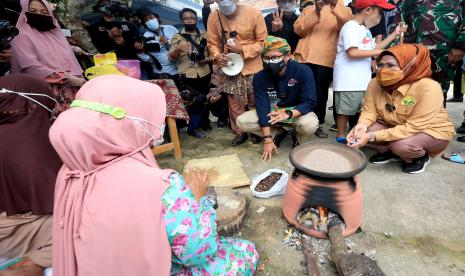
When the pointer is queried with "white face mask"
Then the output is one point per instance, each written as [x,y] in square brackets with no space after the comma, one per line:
[287,7]
[119,113]
[227,7]
[26,95]
[155,142]
[152,24]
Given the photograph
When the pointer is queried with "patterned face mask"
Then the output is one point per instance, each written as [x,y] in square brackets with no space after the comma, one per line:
[119,113]
[26,95]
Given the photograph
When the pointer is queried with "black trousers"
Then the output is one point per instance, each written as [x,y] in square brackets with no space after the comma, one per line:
[198,111]
[323,77]
[458,80]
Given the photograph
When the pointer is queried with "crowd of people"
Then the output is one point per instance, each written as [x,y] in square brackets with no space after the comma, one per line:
[389,67]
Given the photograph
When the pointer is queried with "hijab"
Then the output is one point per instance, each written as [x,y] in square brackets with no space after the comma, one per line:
[108,211]
[414,55]
[41,53]
[28,163]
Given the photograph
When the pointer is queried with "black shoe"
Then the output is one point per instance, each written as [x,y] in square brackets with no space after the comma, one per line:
[239,139]
[384,158]
[295,140]
[455,100]
[320,133]
[197,133]
[207,128]
[221,124]
[333,128]
[280,137]
[255,138]
[418,165]
[461,129]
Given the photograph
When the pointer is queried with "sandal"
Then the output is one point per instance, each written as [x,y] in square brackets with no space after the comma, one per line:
[341,140]
[454,157]
[461,139]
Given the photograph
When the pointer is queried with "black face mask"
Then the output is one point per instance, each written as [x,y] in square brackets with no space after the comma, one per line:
[274,68]
[190,27]
[40,22]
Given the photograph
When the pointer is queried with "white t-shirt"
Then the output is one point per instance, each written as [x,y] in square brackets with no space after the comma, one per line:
[352,74]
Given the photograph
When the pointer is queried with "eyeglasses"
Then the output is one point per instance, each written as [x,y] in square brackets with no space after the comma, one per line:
[390,107]
[386,65]
[274,59]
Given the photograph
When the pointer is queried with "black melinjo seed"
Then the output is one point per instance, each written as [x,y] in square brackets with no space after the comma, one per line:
[268,182]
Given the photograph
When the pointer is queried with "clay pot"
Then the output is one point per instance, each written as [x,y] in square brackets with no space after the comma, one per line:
[341,196]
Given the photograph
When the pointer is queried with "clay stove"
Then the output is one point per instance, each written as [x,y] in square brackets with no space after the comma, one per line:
[325,176]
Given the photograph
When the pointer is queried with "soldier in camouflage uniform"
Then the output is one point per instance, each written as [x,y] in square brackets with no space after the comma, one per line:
[437,24]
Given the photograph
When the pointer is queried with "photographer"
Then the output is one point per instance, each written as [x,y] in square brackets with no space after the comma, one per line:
[188,49]
[7,33]
[154,46]
[109,34]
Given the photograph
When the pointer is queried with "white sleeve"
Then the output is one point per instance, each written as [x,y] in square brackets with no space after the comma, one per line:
[350,35]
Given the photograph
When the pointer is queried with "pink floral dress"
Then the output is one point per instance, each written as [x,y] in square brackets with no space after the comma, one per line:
[196,247]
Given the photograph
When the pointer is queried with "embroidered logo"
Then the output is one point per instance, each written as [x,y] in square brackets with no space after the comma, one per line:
[102,29]
[408,101]
[292,82]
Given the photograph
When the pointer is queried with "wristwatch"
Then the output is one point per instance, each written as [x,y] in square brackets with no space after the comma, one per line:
[290,114]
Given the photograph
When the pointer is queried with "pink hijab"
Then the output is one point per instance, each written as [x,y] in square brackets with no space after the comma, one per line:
[108,211]
[41,53]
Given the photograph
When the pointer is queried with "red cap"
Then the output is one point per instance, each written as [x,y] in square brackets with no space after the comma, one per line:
[383,4]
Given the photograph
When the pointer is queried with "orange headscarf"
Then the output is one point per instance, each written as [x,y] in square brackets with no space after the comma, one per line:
[405,53]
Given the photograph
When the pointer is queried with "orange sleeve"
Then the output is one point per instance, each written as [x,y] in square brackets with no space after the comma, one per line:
[304,24]
[253,50]
[214,35]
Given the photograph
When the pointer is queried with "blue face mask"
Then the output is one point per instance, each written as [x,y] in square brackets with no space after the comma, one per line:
[152,24]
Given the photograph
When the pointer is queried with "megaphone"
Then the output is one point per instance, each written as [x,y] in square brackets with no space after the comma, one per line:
[234,65]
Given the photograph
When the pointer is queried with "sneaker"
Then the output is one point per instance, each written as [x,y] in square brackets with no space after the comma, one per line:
[461,129]
[255,138]
[197,133]
[320,133]
[239,139]
[384,158]
[221,124]
[418,165]
[333,128]
[455,100]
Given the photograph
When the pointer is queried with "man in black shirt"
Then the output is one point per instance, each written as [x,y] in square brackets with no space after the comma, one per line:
[281,22]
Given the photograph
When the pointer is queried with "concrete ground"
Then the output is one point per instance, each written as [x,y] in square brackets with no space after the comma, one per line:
[425,213]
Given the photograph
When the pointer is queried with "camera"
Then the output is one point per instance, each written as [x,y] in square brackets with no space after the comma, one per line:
[149,44]
[7,33]
[116,9]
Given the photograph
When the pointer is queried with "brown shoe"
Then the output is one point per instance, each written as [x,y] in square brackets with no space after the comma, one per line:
[25,267]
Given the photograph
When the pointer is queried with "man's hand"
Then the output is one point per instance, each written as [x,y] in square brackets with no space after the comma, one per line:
[221,60]
[6,55]
[139,46]
[268,148]
[236,47]
[198,182]
[277,116]
[277,23]
[164,40]
[184,48]
[455,55]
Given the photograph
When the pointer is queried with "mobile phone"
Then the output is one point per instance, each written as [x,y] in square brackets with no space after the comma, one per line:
[66,32]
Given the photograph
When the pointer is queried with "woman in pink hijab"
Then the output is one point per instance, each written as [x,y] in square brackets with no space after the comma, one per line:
[116,211]
[41,50]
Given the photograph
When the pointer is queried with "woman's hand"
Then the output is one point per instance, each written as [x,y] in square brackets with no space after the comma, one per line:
[198,182]
[359,141]
[355,133]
